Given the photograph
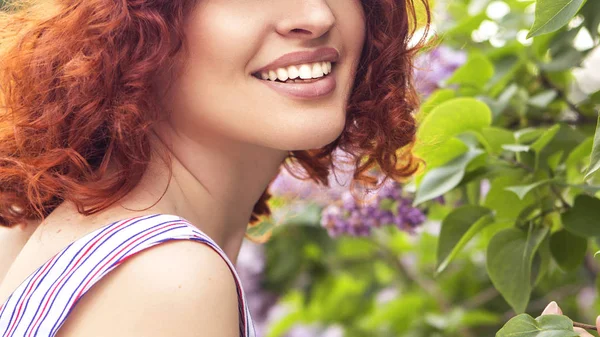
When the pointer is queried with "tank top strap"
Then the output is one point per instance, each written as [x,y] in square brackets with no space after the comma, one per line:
[41,304]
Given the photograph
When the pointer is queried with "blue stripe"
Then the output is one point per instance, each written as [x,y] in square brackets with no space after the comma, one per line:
[58,278]
[33,276]
[40,282]
[74,291]
[201,237]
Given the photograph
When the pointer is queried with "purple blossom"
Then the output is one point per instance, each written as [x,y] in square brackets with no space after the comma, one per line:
[350,217]
[250,267]
[434,67]
[286,186]
[342,214]
[315,330]
[386,295]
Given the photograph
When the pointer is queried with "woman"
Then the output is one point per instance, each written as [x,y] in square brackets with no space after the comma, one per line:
[130,124]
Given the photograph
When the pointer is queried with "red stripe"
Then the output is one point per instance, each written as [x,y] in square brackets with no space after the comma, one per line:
[238,288]
[27,293]
[73,266]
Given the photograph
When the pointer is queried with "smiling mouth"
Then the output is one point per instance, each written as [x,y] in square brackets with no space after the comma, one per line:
[296,78]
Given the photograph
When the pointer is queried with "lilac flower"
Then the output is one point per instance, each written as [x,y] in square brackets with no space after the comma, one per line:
[286,186]
[300,330]
[315,330]
[342,214]
[434,67]
[349,217]
[250,267]
[386,295]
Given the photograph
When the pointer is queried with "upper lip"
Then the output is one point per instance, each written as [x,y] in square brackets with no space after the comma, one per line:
[301,57]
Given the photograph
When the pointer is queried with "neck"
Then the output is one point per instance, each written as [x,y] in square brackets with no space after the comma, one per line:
[215,184]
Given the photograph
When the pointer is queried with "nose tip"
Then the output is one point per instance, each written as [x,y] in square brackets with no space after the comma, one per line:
[311,20]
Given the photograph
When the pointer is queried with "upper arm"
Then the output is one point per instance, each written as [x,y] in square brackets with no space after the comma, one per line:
[178,288]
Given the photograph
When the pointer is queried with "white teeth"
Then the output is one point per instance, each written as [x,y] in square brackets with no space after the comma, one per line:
[293,72]
[324,67]
[305,71]
[282,74]
[316,70]
[302,71]
[272,75]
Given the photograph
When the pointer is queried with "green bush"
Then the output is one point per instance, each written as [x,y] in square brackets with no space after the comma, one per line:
[511,192]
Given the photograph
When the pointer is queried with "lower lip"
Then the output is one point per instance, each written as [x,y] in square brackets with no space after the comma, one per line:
[320,88]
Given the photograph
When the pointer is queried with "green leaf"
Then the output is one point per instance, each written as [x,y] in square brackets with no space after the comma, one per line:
[567,249]
[562,61]
[443,153]
[582,219]
[595,157]
[516,147]
[541,262]
[436,98]
[522,190]
[475,73]
[444,178]
[553,160]
[545,138]
[496,137]
[261,230]
[591,12]
[587,188]
[543,99]
[457,229]
[528,135]
[542,141]
[449,119]
[524,325]
[579,153]
[507,204]
[509,260]
[551,15]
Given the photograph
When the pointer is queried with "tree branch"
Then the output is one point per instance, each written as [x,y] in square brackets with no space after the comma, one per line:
[581,118]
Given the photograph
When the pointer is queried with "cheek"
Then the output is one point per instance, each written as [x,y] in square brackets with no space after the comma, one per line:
[353,32]
[351,23]
[221,38]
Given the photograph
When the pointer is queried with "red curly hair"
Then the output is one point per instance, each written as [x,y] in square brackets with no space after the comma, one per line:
[75,96]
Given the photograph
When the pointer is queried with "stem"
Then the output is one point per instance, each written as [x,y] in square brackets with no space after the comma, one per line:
[560,197]
[556,192]
[561,94]
[585,326]
[517,164]
[546,212]
[481,298]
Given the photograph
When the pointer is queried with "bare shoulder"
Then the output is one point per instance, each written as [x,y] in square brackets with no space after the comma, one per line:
[12,241]
[177,288]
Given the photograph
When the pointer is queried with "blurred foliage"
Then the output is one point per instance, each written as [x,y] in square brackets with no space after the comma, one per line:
[510,141]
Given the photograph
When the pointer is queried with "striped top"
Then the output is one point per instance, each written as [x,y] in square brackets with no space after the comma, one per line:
[41,303]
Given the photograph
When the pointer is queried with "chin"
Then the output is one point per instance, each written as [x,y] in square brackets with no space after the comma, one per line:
[307,138]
